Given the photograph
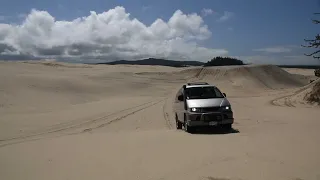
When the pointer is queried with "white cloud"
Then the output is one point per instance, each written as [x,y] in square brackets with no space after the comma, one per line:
[206,12]
[230,28]
[278,49]
[226,16]
[110,35]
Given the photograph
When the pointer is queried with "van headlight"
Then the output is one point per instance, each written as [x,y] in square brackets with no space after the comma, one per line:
[195,109]
[226,108]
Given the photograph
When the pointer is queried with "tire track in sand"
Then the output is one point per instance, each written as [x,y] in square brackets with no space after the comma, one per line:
[53,132]
[121,117]
[166,114]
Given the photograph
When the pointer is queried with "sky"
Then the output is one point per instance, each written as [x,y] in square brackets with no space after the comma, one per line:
[255,31]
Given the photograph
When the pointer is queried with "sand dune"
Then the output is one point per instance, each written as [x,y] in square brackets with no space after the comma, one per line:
[76,121]
[306,96]
[251,76]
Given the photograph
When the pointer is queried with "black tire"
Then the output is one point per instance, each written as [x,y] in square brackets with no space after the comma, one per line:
[227,126]
[178,123]
[187,128]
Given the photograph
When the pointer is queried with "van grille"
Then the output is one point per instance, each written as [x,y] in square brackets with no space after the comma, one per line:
[210,109]
[212,117]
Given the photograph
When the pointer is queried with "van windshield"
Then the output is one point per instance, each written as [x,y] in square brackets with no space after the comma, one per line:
[203,93]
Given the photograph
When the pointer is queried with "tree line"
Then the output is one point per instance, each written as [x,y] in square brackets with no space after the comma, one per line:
[223,61]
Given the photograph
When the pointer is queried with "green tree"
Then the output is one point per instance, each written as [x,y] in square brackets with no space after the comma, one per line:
[314,43]
[223,61]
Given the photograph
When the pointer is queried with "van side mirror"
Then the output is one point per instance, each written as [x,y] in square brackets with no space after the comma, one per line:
[180,97]
[224,94]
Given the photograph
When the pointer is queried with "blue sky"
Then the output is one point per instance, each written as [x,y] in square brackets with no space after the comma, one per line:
[255,30]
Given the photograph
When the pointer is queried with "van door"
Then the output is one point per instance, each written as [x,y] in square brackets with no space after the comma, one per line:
[182,105]
[179,105]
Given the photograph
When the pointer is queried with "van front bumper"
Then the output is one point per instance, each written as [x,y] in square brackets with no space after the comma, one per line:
[209,119]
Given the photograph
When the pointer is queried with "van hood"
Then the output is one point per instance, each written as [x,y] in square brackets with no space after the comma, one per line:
[202,103]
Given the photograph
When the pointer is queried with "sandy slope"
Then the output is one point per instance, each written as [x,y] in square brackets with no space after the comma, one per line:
[63,121]
[301,97]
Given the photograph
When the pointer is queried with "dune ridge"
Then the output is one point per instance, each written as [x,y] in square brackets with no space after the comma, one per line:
[249,76]
[245,77]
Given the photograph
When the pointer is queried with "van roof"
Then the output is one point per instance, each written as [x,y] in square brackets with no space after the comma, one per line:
[197,83]
[205,85]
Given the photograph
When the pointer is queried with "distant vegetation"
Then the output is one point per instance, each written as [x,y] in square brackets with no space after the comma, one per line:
[217,61]
[223,61]
[159,62]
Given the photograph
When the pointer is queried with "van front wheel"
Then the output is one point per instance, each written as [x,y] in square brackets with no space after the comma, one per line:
[227,126]
[187,128]
[178,123]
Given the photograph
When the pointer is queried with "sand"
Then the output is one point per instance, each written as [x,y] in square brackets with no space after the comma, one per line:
[80,122]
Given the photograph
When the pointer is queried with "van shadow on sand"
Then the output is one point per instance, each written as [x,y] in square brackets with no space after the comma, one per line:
[215,130]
